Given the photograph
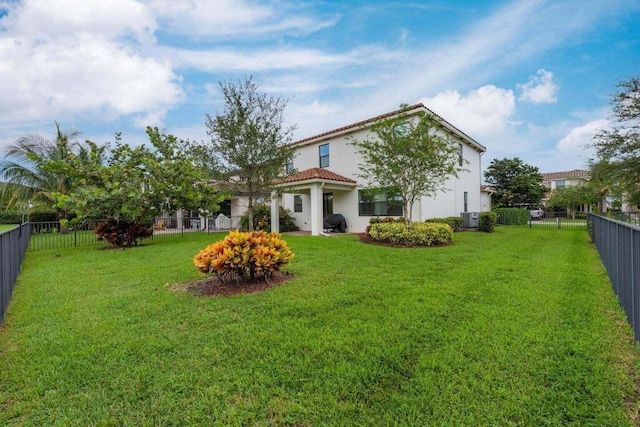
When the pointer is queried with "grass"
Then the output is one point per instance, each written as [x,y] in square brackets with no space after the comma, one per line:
[518,327]
[5,227]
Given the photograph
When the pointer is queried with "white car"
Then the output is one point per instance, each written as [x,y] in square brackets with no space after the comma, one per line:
[537,214]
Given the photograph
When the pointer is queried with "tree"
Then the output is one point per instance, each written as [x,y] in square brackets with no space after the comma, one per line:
[249,145]
[407,157]
[26,181]
[620,146]
[135,184]
[516,184]
[600,180]
[571,198]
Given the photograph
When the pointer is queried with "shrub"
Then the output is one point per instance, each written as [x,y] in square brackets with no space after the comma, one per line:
[123,232]
[242,255]
[414,234]
[383,220]
[262,219]
[455,222]
[512,216]
[487,221]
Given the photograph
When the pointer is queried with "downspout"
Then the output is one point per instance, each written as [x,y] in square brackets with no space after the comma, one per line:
[322,233]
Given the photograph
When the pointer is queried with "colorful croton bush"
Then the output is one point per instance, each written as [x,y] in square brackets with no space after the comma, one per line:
[413,234]
[244,256]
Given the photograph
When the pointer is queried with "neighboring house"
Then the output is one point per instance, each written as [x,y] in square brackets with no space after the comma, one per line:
[327,180]
[554,180]
[572,178]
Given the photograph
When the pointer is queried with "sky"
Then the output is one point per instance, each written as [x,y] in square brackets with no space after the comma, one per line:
[530,79]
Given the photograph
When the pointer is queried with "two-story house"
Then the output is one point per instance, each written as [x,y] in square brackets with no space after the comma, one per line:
[327,182]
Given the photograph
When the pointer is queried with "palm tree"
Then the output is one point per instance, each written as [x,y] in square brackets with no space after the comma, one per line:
[26,181]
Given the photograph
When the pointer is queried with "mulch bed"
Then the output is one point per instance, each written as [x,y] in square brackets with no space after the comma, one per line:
[212,286]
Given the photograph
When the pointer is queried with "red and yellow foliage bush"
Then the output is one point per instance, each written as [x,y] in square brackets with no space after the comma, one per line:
[242,256]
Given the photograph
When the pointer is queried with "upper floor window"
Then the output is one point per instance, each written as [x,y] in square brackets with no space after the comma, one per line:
[460,158]
[560,183]
[289,167]
[324,155]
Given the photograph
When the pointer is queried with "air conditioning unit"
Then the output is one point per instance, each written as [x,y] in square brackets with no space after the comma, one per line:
[470,219]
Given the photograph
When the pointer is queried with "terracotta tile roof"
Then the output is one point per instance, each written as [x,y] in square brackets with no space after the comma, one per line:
[409,109]
[576,173]
[315,173]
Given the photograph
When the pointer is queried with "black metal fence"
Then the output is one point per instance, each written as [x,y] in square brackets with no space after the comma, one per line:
[559,220]
[13,246]
[542,219]
[52,235]
[618,243]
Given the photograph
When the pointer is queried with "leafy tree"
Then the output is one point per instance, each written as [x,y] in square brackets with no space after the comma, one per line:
[620,146]
[573,197]
[27,182]
[249,144]
[406,156]
[601,180]
[516,184]
[135,184]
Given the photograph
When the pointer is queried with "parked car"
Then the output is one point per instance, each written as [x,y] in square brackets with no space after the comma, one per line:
[537,214]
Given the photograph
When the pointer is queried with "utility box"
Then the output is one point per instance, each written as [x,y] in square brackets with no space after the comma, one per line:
[470,219]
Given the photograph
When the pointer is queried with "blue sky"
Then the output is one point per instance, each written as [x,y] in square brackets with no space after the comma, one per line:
[529,79]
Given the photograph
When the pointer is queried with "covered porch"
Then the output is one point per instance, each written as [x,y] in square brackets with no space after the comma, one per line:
[321,186]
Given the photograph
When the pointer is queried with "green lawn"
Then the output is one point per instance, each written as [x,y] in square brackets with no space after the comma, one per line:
[515,328]
[5,227]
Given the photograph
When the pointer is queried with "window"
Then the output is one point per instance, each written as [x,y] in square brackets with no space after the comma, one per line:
[460,158]
[324,156]
[402,129]
[379,204]
[289,167]
[560,183]
[466,201]
[297,203]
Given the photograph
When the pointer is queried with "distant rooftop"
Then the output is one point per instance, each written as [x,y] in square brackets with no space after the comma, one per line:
[576,173]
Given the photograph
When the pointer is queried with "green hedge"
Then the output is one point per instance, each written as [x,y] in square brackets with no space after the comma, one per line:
[512,216]
[8,217]
[455,222]
[43,216]
[414,234]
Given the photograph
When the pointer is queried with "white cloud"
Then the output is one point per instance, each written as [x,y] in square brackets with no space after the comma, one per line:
[540,89]
[231,18]
[61,62]
[481,114]
[578,142]
[212,60]
[46,20]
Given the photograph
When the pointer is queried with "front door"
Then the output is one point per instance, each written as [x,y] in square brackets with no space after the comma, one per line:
[327,204]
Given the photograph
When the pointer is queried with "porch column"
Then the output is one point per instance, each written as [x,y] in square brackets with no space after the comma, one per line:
[316,209]
[275,213]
